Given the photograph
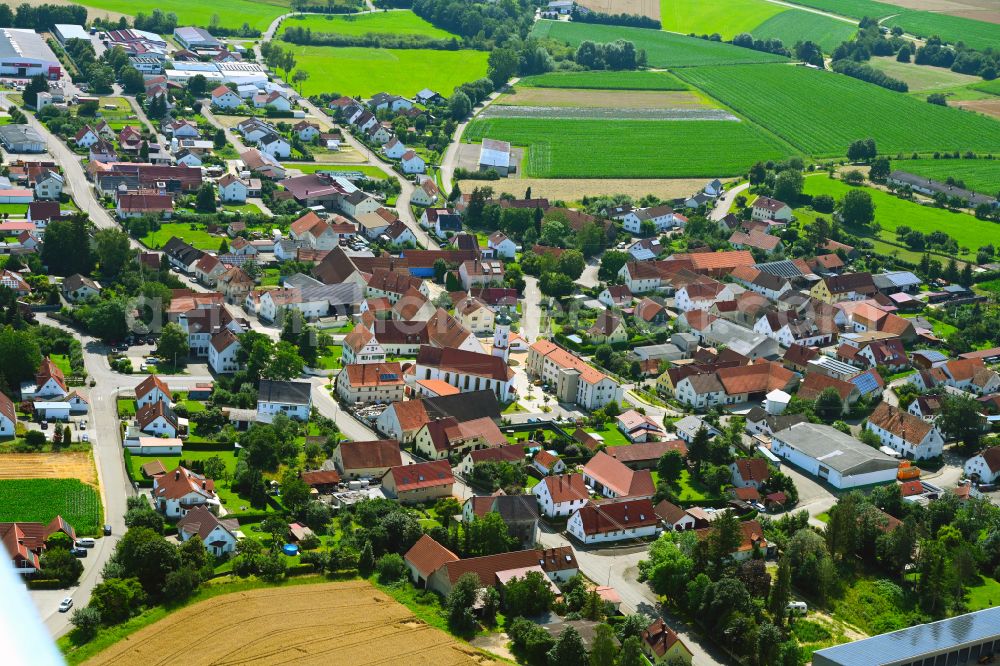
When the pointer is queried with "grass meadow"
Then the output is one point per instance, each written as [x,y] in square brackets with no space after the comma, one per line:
[663,49]
[922,78]
[598,80]
[788,102]
[362,72]
[891,212]
[632,148]
[231,13]
[197,237]
[380,23]
[41,500]
[976,34]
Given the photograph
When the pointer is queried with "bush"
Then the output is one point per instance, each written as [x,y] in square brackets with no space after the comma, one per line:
[87,621]
[390,568]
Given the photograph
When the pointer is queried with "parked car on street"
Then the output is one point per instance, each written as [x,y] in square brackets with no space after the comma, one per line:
[65,604]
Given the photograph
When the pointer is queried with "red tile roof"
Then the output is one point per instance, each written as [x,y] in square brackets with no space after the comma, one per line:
[566,488]
[616,476]
[409,478]
[373,454]
[613,516]
[427,556]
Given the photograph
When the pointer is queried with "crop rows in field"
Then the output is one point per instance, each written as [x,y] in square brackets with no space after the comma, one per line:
[795,25]
[991,87]
[41,500]
[631,148]
[975,34]
[663,49]
[605,113]
[979,175]
[797,104]
[854,8]
[598,80]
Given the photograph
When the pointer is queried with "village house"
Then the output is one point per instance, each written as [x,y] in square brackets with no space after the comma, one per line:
[217,534]
[78,288]
[766,208]
[157,419]
[223,352]
[441,438]
[293,399]
[367,460]
[901,431]
[176,493]
[150,391]
[615,296]
[573,379]
[608,522]
[611,478]
[638,427]
[662,645]
[607,329]
[984,467]
[561,495]
[420,482]
[369,383]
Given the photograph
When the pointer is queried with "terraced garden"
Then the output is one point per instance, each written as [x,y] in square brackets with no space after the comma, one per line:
[663,49]
[589,148]
[788,102]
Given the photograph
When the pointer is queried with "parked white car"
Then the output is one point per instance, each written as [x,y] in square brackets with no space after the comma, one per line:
[65,604]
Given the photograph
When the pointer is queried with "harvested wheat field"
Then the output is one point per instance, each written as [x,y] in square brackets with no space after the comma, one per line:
[574,189]
[330,623]
[650,8]
[990,107]
[48,466]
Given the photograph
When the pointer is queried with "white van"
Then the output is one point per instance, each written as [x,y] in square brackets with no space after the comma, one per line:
[797,608]
[86,543]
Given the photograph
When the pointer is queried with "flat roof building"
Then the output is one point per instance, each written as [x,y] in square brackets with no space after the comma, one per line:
[67,31]
[832,456]
[24,53]
[195,38]
[958,640]
[21,139]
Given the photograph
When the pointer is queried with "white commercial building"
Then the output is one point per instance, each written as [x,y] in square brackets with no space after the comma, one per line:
[24,53]
[834,457]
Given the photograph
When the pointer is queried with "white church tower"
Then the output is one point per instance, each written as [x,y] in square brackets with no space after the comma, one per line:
[501,336]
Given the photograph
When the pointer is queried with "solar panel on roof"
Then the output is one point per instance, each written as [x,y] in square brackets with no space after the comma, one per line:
[865,383]
[388,376]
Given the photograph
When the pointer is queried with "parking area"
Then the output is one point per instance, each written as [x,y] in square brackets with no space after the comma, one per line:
[79,426]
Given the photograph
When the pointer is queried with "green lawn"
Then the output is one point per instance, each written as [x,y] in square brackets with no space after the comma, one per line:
[611,434]
[41,500]
[14,209]
[381,23]
[978,175]
[891,212]
[663,49]
[363,72]
[230,13]
[817,111]
[249,208]
[62,362]
[126,408]
[689,489]
[590,148]
[705,18]
[331,359]
[197,237]
[601,80]
[922,77]
[985,594]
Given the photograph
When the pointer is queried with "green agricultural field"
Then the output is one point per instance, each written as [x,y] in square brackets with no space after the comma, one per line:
[891,212]
[789,101]
[978,175]
[197,237]
[41,500]
[991,87]
[363,72]
[380,23]
[976,34]
[663,49]
[795,25]
[597,80]
[853,8]
[632,148]
[230,13]
[728,18]
[921,78]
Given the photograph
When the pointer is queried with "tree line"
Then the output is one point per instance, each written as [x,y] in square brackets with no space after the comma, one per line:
[306,36]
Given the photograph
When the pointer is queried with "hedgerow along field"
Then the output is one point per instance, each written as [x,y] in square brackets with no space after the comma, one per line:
[231,13]
[362,72]
[795,103]
[663,49]
[976,34]
[892,212]
[380,23]
[796,25]
[601,80]
[728,18]
[978,175]
[41,500]
[632,148]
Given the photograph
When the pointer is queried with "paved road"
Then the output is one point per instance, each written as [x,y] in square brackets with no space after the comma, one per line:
[619,569]
[725,202]
[589,276]
[231,135]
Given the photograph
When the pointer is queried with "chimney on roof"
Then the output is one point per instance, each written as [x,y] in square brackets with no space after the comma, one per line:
[177,474]
[203,483]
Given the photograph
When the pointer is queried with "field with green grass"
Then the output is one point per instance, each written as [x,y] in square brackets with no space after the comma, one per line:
[632,148]
[41,500]
[795,25]
[367,169]
[197,237]
[991,87]
[362,72]
[663,49]
[891,212]
[598,80]
[786,101]
[380,23]
[978,175]
[853,8]
[921,78]
[985,594]
[230,13]
[705,18]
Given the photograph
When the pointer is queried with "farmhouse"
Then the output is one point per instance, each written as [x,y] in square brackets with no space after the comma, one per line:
[218,535]
[370,460]
[421,482]
[561,495]
[611,478]
[901,431]
[766,208]
[985,467]
[606,522]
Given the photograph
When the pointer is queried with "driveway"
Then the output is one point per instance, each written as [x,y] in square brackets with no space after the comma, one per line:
[725,202]
[531,315]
